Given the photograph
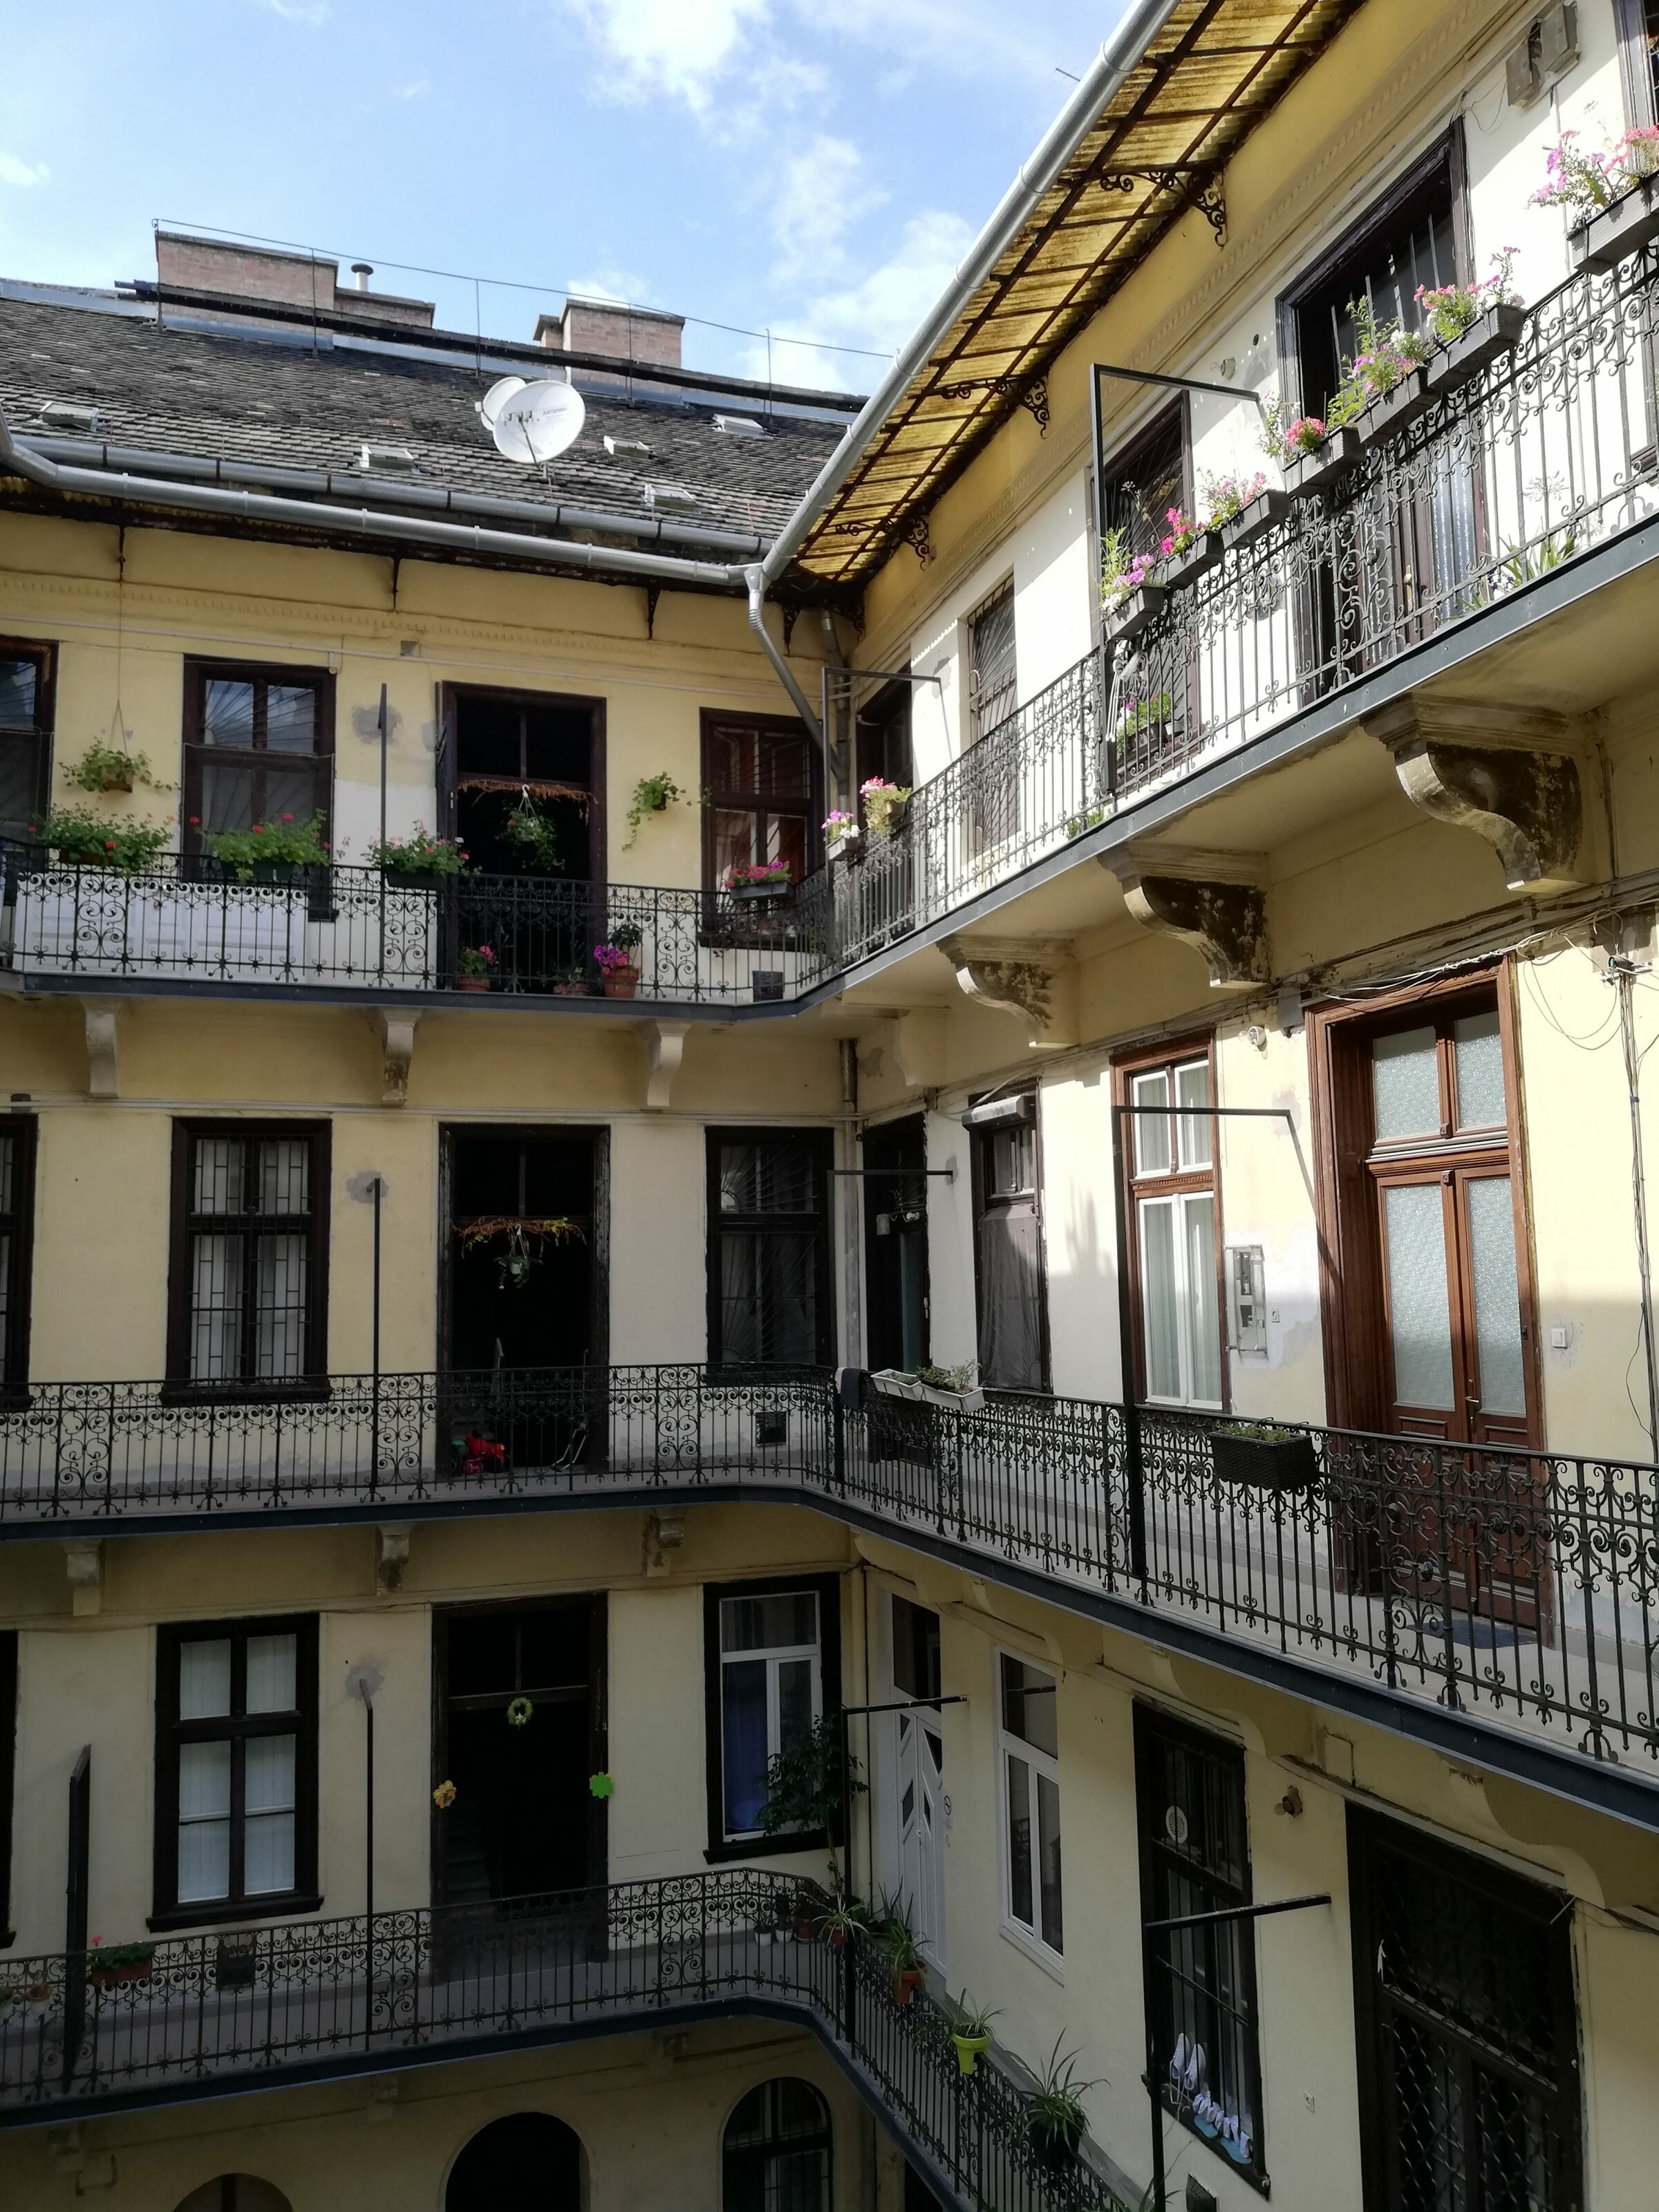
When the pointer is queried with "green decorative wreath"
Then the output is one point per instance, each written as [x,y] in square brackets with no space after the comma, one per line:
[519,1712]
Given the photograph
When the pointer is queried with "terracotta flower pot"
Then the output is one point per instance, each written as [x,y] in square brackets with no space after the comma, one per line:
[621,982]
[905,1982]
[473,983]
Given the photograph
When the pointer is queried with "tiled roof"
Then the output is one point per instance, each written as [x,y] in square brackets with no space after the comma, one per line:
[250,397]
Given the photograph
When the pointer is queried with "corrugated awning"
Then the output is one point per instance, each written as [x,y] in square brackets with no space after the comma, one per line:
[1159,148]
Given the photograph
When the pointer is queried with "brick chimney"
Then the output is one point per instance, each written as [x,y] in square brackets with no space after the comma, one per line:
[607,327]
[220,268]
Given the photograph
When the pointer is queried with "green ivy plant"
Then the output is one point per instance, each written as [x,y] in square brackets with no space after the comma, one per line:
[652,794]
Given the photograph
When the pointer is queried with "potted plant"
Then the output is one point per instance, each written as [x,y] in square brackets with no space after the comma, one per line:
[417,862]
[1188,548]
[79,839]
[568,982]
[970,2031]
[1312,450]
[756,879]
[107,1964]
[111,767]
[38,1996]
[270,851]
[952,1386]
[1388,376]
[1241,507]
[1128,599]
[1140,715]
[908,1969]
[1052,2119]
[883,805]
[1611,197]
[618,960]
[533,836]
[652,794]
[840,835]
[1263,1455]
[1471,323]
[476,967]
[840,1924]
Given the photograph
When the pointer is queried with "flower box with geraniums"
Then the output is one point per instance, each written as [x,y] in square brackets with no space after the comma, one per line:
[1129,599]
[109,1963]
[842,838]
[116,844]
[475,967]
[1240,508]
[617,961]
[1611,197]
[419,862]
[756,881]
[883,805]
[1263,1455]
[952,1386]
[1471,325]
[110,768]
[1187,550]
[279,852]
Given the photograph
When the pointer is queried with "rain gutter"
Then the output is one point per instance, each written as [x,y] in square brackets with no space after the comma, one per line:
[1069,127]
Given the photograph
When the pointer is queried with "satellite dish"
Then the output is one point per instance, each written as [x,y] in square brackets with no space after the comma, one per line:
[493,400]
[538,423]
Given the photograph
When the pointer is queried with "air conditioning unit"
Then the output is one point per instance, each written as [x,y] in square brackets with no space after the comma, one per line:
[1547,50]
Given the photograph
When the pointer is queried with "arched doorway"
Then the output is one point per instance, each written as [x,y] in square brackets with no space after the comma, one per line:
[529,2159]
[775,2155]
[235,2192]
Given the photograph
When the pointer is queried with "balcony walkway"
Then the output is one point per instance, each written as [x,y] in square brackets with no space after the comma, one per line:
[1503,1605]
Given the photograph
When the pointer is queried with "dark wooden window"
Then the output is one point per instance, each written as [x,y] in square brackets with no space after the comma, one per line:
[772,1669]
[775,2155]
[7,1774]
[1637,22]
[1009,1283]
[258,745]
[501,748]
[765,785]
[1140,482]
[1201,1995]
[770,1282]
[1174,1226]
[26,672]
[17,1140]
[247,1302]
[236,1770]
[993,662]
[1467,2040]
[884,736]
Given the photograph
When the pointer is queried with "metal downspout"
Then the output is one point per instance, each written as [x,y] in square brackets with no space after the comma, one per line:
[852,1189]
[755,578]
[1066,134]
[364,522]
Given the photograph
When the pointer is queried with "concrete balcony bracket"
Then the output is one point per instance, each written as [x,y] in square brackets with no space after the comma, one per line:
[391,1542]
[1510,777]
[663,1044]
[103,1048]
[1028,979]
[665,1535]
[397,1053]
[908,1044]
[1212,902]
[83,1564]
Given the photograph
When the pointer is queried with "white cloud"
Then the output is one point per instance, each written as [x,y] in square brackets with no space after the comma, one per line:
[312,13]
[680,48]
[873,316]
[624,286]
[813,202]
[417,89]
[15,172]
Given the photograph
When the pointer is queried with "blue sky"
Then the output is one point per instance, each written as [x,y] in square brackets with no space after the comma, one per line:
[736,159]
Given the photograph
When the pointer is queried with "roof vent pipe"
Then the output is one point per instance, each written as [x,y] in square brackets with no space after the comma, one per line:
[362,270]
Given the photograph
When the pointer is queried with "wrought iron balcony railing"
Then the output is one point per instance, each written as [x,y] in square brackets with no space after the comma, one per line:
[1519,1586]
[203,2014]
[184,920]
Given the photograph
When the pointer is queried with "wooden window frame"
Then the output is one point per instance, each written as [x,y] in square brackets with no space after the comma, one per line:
[1147,1061]
[1546,1909]
[24,1131]
[980,1141]
[313,1381]
[452,697]
[811,809]
[302,1722]
[200,670]
[44,652]
[1352,1324]
[821,1144]
[976,731]
[1152,1726]
[719,1850]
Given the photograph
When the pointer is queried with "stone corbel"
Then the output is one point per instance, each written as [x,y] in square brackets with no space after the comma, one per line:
[396,1054]
[665,1535]
[1212,901]
[391,1542]
[83,1564]
[665,1049]
[1511,775]
[103,1048]
[1028,979]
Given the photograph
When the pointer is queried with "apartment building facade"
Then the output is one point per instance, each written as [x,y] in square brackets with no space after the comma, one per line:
[1112,1287]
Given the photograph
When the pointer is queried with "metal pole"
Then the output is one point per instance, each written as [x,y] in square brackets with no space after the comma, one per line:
[383,753]
[1133,1477]
[374,1386]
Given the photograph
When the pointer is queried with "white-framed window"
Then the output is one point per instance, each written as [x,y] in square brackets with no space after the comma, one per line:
[771,1693]
[1174,1193]
[1027,1778]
